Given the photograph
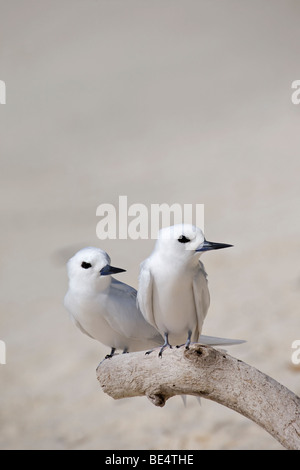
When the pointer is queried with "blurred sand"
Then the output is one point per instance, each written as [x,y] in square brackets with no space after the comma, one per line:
[162,101]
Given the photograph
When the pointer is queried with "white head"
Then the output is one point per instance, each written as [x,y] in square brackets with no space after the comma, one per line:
[89,270]
[184,241]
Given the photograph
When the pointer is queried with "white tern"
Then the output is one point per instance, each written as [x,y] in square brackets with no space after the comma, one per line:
[104,308]
[173,293]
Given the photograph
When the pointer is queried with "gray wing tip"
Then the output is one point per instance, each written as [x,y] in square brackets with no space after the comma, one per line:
[215,341]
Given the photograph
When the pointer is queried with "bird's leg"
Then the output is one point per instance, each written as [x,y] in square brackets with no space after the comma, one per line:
[188,342]
[162,348]
[165,345]
[109,356]
[125,351]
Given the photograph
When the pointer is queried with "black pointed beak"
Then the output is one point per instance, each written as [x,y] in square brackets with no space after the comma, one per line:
[206,246]
[107,270]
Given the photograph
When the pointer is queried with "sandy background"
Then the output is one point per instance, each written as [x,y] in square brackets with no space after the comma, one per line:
[162,101]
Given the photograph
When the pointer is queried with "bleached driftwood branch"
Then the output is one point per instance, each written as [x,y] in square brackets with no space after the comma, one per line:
[206,372]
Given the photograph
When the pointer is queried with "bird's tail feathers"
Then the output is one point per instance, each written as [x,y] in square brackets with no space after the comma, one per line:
[215,341]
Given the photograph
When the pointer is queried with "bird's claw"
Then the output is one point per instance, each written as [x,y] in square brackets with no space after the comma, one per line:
[109,356]
[163,348]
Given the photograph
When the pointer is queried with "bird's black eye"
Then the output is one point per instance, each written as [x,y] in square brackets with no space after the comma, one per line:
[85,265]
[183,239]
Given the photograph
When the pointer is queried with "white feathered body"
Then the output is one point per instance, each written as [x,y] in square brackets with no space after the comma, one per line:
[173,296]
[111,316]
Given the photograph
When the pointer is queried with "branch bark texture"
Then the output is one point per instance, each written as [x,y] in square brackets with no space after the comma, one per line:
[209,373]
